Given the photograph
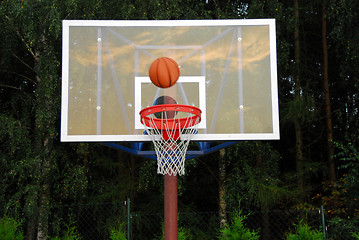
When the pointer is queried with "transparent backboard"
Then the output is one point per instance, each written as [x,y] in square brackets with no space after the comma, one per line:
[228,69]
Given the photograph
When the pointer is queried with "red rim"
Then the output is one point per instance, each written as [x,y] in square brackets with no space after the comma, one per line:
[174,123]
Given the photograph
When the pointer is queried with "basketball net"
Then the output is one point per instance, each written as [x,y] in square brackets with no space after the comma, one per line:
[171,128]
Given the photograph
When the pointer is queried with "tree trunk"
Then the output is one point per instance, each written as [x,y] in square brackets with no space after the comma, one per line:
[132,177]
[222,175]
[44,134]
[31,225]
[328,110]
[44,198]
[297,89]
[44,164]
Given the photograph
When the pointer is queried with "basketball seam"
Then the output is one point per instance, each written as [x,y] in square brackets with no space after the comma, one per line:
[158,80]
[152,73]
[157,73]
[168,71]
[177,68]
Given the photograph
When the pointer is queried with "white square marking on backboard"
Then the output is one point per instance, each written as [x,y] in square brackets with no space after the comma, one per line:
[200,80]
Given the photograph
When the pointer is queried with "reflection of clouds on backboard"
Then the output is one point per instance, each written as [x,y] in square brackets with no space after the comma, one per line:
[255,47]
[219,49]
[84,54]
[141,36]
[110,52]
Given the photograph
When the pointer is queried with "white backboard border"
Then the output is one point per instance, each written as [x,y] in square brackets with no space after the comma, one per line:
[65,137]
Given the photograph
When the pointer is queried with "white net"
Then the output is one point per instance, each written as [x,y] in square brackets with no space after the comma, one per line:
[171,139]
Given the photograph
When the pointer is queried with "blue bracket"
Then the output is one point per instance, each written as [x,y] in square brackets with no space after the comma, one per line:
[204,145]
[204,149]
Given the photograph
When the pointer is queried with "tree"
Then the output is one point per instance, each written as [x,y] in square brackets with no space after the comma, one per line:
[253,173]
[342,19]
[221,187]
[297,98]
[253,177]
[328,111]
[32,67]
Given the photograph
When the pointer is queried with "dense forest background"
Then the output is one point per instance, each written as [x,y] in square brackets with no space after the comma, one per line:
[316,161]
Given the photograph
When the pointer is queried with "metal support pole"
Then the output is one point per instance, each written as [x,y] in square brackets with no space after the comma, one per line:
[322,219]
[128,202]
[171,207]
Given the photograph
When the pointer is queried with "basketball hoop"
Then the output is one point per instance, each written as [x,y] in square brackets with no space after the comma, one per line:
[171,127]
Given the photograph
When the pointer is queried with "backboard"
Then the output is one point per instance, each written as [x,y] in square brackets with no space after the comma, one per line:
[228,70]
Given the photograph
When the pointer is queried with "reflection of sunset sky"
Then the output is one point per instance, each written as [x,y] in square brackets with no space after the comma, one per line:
[255,46]
[88,55]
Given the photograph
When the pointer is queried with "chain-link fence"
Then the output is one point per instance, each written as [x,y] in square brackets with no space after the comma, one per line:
[90,221]
[95,221]
[271,225]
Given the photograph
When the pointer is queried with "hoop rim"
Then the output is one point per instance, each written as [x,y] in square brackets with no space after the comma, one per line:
[175,123]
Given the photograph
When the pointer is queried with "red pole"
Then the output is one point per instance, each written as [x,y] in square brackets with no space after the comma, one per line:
[170,198]
[171,207]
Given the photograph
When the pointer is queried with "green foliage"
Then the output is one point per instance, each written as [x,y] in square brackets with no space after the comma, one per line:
[344,43]
[253,171]
[18,165]
[118,233]
[356,235]
[349,156]
[343,33]
[303,108]
[238,230]
[69,234]
[10,229]
[304,232]
[343,228]
[183,234]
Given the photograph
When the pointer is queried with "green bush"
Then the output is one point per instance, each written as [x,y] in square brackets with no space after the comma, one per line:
[10,229]
[343,228]
[356,235]
[117,233]
[70,234]
[183,234]
[304,232]
[238,229]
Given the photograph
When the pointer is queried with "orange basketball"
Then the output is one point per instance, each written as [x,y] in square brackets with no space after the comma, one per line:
[164,72]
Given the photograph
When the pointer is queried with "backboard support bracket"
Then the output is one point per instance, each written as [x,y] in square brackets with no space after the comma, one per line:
[205,148]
